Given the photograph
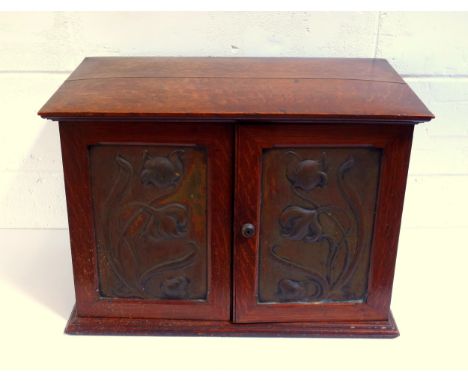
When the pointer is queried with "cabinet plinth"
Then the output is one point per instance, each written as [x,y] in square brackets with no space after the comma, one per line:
[241,197]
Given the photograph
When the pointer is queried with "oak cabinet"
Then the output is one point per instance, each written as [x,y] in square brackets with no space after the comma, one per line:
[234,196]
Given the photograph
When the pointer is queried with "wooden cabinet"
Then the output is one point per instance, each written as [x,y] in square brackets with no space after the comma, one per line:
[234,196]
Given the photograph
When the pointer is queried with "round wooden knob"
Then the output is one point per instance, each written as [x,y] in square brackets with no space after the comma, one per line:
[248,230]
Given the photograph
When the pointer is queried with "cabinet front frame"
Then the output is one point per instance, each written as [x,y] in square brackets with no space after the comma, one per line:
[252,139]
[217,138]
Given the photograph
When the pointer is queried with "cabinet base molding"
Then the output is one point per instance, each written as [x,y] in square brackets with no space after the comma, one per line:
[161,327]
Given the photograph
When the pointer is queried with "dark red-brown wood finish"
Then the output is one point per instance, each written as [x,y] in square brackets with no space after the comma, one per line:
[236,88]
[76,139]
[395,141]
[246,196]
[160,327]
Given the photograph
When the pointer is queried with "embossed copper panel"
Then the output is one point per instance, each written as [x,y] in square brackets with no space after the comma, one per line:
[317,217]
[150,221]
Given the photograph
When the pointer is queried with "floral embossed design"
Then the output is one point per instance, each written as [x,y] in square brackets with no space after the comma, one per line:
[297,223]
[291,290]
[307,174]
[166,222]
[175,287]
[148,240]
[314,223]
[162,171]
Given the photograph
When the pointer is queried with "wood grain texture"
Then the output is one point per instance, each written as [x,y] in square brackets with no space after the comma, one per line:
[235,113]
[236,88]
[252,140]
[241,67]
[76,137]
[134,326]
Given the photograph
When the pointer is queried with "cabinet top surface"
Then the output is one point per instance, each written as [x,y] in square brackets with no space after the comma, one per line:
[235,88]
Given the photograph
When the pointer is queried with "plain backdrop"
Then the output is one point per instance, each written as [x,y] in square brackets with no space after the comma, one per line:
[37,53]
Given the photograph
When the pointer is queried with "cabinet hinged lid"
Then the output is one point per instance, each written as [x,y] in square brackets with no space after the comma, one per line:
[235,88]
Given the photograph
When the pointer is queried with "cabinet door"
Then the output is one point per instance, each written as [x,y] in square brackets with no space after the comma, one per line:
[148,205]
[317,220]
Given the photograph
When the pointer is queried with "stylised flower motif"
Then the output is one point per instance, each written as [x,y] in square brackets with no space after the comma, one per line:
[297,223]
[162,172]
[175,287]
[291,290]
[307,174]
[167,222]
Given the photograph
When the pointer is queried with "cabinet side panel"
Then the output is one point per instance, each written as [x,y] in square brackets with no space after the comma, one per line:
[150,207]
[317,221]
